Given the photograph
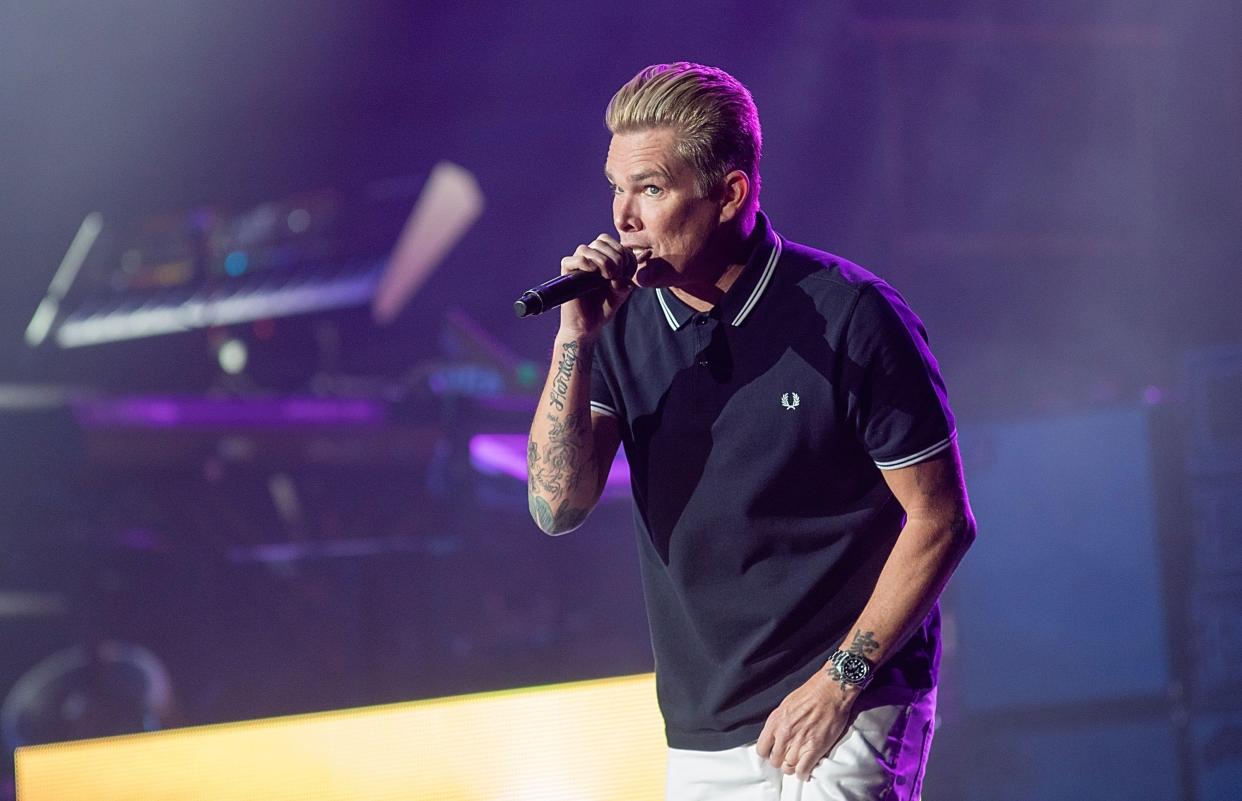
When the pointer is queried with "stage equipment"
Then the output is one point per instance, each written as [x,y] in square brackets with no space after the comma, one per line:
[209,267]
[1212,567]
[1085,567]
[450,203]
[93,690]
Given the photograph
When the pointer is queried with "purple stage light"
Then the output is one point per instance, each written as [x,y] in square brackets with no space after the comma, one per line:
[186,412]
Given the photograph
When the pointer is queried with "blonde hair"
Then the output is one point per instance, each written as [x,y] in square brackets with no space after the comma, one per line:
[713,114]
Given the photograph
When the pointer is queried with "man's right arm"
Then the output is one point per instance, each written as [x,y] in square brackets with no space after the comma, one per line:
[570,449]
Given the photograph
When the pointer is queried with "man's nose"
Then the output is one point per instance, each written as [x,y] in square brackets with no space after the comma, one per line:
[625,215]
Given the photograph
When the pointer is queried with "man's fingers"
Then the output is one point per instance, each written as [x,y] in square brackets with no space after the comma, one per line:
[577,263]
[780,750]
[789,757]
[609,245]
[591,259]
[605,256]
[604,259]
[606,244]
[807,763]
[619,261]
[766,740]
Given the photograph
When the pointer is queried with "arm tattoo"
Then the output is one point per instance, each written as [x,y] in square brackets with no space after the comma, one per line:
[557,471]
[540,510]
[863,644]
[564,518]
[564,369]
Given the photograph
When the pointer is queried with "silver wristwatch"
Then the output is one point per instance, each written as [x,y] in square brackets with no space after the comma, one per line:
[852,668]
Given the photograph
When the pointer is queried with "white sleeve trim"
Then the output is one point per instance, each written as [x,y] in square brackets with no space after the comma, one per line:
[596,406]
[921,456]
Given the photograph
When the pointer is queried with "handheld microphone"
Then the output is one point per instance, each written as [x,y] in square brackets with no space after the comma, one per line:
[561,289]
[567,287]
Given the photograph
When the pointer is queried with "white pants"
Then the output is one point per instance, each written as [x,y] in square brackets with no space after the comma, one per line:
[881,756]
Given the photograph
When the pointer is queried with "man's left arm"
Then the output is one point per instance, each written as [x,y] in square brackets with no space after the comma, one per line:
[939,528]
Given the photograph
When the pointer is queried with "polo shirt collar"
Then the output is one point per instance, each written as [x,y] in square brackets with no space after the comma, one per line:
[747,290]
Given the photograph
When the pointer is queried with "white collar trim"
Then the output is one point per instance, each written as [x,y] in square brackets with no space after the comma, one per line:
[668,313]
[757,292]
[764,279]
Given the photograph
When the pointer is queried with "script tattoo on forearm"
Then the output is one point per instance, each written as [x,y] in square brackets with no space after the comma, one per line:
[555,468]
[864,643]
[564,369]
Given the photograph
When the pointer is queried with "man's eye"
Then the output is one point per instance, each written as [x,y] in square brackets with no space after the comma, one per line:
[651,189]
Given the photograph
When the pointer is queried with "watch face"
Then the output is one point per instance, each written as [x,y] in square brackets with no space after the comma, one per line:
[853,668]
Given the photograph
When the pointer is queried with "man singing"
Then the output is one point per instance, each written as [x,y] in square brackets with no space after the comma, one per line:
[798,494]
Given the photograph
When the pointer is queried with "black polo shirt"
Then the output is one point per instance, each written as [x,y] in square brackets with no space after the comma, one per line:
[756,434]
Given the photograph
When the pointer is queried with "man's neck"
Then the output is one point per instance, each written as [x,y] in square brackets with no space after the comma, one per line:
[734,250]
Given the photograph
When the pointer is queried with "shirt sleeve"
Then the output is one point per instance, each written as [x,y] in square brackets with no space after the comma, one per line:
[897,398]
[602,400]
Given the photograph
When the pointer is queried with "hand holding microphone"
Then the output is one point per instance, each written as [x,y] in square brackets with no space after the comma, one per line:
[593,284]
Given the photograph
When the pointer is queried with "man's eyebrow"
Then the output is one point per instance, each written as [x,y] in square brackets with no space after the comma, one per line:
[641,176]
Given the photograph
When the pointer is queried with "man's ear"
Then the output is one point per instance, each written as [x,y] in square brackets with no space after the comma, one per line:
[735,194]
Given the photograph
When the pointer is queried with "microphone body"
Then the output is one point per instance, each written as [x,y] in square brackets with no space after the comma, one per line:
[561,289]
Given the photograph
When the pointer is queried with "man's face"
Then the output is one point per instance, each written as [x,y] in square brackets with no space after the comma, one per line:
[656,206]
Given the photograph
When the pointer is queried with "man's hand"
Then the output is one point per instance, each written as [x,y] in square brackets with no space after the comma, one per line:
[585,316]
[806,725]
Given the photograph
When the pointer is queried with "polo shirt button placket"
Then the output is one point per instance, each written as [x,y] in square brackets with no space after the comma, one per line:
[701,320]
